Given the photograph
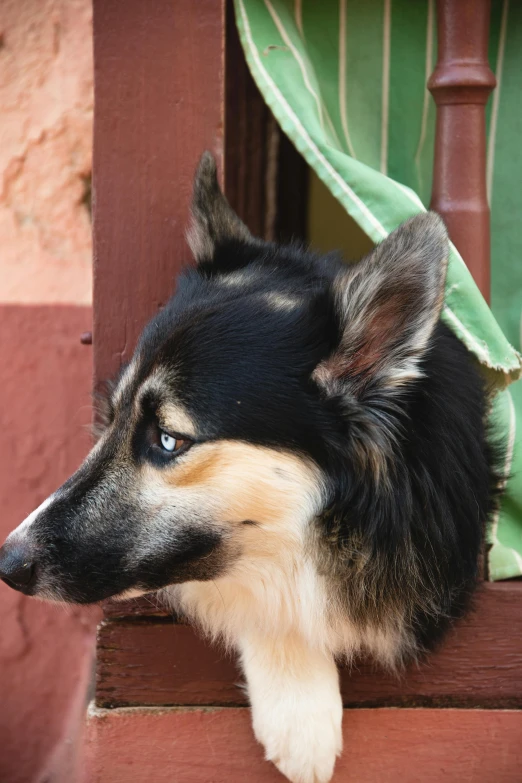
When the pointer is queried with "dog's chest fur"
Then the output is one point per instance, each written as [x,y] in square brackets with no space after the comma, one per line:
[284,594]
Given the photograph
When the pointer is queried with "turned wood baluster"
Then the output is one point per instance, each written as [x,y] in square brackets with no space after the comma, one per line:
[461,84]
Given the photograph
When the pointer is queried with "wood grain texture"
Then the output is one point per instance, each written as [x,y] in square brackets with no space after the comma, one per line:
[156,661]
[147,606]
[380,746]
[159,87]
[461,84]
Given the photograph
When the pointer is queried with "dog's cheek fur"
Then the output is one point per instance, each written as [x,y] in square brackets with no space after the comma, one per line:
[266,505]
[247,483]
[263,501]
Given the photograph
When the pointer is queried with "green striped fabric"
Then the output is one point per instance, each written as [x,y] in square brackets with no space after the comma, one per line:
[346,80]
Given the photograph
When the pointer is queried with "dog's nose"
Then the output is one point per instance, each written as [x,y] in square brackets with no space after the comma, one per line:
[16,567]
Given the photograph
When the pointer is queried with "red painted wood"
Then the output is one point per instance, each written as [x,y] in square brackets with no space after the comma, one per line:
[380,746]
[154,661]
[461,84]
[159,84]
[148,606]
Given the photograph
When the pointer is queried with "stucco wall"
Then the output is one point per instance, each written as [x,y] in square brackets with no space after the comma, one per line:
[45,294]
[46,101]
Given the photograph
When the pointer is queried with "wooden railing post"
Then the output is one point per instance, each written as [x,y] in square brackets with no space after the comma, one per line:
[461,84]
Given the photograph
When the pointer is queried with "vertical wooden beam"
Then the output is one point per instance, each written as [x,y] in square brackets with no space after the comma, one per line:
[159,102]
[461,84]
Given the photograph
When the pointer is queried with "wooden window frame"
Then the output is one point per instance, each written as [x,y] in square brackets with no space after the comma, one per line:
[170,81]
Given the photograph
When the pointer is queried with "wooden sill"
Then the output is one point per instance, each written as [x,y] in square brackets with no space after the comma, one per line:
[145,657]
[392,746]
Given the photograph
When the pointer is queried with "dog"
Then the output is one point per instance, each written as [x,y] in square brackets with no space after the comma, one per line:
[296,458]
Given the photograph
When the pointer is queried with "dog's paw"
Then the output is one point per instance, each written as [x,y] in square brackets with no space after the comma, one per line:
[302,737]
[297,709]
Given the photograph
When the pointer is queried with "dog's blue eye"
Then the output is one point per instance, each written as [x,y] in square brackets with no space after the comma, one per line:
[165,445]
[168,442]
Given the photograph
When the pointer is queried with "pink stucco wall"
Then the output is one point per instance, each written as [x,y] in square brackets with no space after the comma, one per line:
[46,103]
[45,293]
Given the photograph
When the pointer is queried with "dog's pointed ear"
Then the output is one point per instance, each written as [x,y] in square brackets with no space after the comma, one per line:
[387,306]
[213,219]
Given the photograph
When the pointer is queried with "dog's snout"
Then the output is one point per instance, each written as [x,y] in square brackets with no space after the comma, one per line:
[17,568]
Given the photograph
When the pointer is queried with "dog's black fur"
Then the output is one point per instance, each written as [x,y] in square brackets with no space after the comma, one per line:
[244,370]
[258,367]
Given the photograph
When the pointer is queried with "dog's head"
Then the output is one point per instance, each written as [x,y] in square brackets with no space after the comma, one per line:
[269,374]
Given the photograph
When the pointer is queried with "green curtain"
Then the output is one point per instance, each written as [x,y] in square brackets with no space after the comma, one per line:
[346,80]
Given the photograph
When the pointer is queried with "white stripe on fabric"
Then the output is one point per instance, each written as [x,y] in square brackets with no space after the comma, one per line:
[375,228]
[496,101]
[507,463]
[385,104]
[342,77]
[428,68]
[288,41]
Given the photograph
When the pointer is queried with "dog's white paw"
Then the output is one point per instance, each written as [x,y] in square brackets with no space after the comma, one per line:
[297,709]
[301,734]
